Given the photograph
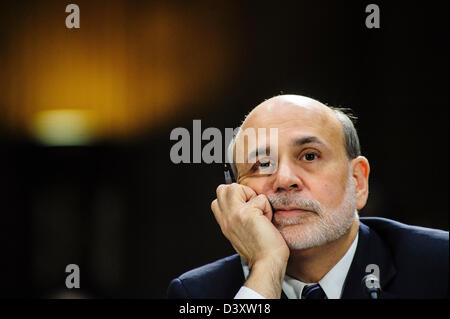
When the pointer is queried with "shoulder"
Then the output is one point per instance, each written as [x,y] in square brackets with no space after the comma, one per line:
[399,234]
[219,279]
[419,253]
[212,270]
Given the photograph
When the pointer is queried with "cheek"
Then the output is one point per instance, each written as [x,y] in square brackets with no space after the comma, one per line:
[330,188]
[328,194]
[256,184]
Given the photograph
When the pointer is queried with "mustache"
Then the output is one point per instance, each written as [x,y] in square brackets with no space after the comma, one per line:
[284,200]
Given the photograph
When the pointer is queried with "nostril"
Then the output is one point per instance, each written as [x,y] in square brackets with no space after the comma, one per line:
[293,186]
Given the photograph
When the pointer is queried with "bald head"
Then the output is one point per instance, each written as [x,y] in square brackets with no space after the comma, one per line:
[282,108]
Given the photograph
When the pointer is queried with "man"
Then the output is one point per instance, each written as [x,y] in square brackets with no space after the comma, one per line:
[296,228]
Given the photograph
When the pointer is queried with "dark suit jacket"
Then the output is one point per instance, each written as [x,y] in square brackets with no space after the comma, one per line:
[413,263]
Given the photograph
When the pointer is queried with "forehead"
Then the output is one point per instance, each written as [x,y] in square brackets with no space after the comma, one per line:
[295,117]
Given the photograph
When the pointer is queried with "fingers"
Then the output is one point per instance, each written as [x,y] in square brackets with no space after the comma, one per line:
[262,205]
[249,192]
[217,213]
[245,193]
[230,202]
[214,205]
[233,194]
[236,199]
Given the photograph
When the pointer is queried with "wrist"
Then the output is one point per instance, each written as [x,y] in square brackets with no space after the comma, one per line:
[273,260]
[266,277]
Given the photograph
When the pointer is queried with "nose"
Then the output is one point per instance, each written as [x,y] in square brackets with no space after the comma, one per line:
[286,178]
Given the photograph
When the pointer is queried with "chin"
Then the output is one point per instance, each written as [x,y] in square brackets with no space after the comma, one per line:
[302,236]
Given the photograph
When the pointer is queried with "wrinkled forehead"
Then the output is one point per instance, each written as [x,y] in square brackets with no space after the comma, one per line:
[293,117]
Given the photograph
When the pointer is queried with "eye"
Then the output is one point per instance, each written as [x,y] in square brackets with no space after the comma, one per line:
[310,156]
[263,166]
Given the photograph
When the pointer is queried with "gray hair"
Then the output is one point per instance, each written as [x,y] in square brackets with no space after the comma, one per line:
[351,139]
[344,115]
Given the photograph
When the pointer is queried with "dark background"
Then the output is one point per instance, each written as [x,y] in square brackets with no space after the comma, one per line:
[132,220]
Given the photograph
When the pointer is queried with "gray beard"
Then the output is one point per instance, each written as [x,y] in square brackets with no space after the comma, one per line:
[317,228]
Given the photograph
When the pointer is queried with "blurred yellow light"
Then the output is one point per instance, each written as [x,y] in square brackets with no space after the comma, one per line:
[64,127]
[134,68]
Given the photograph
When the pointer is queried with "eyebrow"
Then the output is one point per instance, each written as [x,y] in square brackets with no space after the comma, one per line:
[307,140]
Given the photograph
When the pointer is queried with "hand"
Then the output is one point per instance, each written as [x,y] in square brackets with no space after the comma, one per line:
[245,220]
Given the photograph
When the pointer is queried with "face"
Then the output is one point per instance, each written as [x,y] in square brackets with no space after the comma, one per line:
[312,186]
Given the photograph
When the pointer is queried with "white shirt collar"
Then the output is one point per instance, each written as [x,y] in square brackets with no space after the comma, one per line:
[332,283]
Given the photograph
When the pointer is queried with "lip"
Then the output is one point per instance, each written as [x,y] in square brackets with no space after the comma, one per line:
[290,212]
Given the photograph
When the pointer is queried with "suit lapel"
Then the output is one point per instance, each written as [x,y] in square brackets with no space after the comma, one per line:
[370,250]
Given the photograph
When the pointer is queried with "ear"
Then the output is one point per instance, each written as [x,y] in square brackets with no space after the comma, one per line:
[360,171]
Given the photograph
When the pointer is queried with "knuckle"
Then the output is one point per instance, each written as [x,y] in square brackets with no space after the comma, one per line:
[261,198]
[232,189]
[219,189]
[234,185]
[214,205]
